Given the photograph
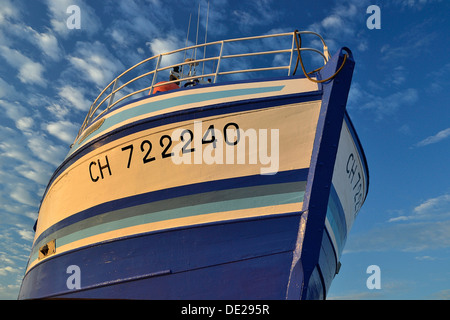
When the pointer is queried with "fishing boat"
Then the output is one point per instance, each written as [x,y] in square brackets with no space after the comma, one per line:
[234,175]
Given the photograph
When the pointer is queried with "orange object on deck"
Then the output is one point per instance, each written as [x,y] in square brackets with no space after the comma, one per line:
[165,87]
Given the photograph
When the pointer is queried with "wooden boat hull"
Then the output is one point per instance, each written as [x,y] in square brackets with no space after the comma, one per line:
[243,190]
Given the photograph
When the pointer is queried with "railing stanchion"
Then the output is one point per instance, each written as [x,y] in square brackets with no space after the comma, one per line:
[155,75]
[113,93]
[218,62]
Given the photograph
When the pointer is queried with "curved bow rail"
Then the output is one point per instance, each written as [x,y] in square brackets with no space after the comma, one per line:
[220,62]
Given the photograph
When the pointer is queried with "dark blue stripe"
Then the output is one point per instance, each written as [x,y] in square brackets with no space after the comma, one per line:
[216,185]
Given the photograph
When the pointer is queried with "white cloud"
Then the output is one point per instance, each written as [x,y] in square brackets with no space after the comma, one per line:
[434,204]
[29,71]
[415,4]
[26,234]
[441,295]
[17,32]
[437,208]
[93,71]
[426,227]
[6,270]
[46,150]
[74,96]
[425,258]
[21,194]
[137,20]
[12,145]
[363,45]
[14,254]
[161,45]
[333,21]
[352,9]
[441,135]
[48,43]
[7,11]
[256,13]
[343,22]
[64,130]
[399,218]
[136,17]
[58,111]
[405,129]
[119,36]
[14,111]
[438,79]
[398,76]
[36,171]
[45,41]
[17,161]
[7,90]
[414,42]
[25,123]
[96,62]
[382,105]
[406,237]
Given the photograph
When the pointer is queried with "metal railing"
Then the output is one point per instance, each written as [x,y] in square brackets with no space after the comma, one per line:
[121,89]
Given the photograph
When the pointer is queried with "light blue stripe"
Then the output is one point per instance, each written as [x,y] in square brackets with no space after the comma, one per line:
[336,218]
[176,101]
[182,212]
[219,206]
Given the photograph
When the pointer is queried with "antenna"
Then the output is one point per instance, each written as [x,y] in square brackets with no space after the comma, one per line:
[196,38]
[206,36]
[193,65]
[187,38]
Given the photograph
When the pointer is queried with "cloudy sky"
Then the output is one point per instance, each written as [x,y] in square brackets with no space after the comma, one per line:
[399,103]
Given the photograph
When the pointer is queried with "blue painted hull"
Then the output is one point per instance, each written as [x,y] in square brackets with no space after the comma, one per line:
[242,260]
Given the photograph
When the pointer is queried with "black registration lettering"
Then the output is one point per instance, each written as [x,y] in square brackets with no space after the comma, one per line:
[147,157]
[188,141]
[165,153]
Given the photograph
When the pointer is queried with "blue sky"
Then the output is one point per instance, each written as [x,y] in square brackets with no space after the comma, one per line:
[399,103]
